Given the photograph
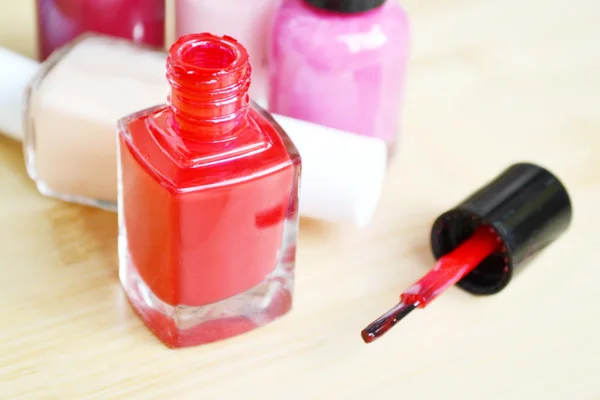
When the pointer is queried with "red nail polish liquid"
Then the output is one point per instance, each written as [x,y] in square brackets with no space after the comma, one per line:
[208,189]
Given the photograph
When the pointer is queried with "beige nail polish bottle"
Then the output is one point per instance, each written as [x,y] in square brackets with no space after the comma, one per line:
[69,108]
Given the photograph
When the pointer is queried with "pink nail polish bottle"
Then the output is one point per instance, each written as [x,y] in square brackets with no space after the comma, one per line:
[340,64]
[60,21]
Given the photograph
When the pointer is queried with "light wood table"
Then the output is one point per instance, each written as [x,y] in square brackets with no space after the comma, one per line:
[491,82]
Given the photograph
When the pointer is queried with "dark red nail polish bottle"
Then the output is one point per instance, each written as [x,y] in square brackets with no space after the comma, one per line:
[61,21]
[208,190]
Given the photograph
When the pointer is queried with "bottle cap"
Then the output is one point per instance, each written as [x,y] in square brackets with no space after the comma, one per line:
[16,72]
[528,208]
[346,6]
[342,173]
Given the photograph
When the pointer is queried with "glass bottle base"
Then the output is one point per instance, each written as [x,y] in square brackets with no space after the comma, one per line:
[70,198]
[184,326]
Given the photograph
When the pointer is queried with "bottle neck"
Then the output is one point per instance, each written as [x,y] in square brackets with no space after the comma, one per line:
[209,78]
[346,6]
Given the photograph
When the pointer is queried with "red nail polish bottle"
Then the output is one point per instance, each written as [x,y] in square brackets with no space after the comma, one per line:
[208,190]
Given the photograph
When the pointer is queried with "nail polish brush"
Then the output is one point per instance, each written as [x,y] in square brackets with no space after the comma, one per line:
[488,237]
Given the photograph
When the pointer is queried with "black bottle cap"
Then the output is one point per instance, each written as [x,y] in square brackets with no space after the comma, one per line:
[346,6]
[526,205]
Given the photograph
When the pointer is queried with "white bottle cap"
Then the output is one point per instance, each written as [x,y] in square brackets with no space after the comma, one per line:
[16,71]
[342,173]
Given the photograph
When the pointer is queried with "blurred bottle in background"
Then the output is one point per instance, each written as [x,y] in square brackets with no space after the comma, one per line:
[60,21]
[248,21]
[340,64]
[66,111]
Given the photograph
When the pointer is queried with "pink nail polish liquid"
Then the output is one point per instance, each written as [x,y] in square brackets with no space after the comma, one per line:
[340,64]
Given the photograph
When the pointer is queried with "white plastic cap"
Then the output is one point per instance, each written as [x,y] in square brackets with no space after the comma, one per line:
[342,173]
[16,72]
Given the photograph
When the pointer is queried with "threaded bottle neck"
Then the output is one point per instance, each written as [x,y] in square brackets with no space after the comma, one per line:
[209,78]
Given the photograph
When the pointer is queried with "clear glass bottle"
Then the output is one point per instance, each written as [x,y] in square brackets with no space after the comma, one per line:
[208,201]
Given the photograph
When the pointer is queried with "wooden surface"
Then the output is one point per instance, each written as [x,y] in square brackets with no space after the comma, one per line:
[491,82]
